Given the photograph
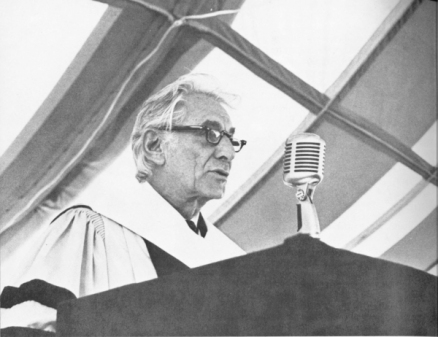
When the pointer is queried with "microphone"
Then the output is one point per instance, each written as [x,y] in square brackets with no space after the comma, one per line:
[303,168]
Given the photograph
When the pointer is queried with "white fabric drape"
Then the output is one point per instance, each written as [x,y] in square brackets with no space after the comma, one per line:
[87,253]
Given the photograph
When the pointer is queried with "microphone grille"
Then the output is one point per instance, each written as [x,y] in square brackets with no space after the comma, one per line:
[309,157]
[303,160]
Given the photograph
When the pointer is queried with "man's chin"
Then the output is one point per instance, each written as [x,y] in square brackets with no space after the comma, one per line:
[212,190]
[216,193]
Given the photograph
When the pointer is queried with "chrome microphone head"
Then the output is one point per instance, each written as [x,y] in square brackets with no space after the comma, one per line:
[303,162]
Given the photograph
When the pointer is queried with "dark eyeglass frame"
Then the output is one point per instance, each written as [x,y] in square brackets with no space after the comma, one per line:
[208,130]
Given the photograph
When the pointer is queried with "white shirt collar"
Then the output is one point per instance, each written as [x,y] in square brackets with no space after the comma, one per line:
[156,220]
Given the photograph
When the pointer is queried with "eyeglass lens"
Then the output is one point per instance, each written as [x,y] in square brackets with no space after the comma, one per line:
[214,137]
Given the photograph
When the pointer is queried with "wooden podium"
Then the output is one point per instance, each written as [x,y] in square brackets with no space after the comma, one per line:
[303,287]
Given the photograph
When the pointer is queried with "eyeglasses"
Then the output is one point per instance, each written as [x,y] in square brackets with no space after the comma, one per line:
[213,136]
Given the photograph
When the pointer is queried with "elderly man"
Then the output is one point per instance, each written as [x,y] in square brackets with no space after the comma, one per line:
[183,144]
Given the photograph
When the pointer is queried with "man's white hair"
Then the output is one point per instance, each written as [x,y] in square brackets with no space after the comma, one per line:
[166,108]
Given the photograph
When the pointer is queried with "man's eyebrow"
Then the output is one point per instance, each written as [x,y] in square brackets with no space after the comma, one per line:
[217,126]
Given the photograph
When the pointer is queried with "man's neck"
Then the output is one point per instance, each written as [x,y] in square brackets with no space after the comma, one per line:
[187,207]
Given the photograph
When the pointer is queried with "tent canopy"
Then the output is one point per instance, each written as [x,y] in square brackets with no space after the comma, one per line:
[371,117]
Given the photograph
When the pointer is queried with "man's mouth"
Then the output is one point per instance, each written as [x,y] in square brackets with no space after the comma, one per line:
[221,172]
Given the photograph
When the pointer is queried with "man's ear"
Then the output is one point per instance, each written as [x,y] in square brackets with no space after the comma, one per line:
[153,147]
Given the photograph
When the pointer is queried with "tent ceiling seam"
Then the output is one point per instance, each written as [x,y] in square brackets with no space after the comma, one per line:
[406,199]
[208,31]
[411,159]
[62,173]
[45,190]
[401,152]
[428,171]
[92,43]
[403,12]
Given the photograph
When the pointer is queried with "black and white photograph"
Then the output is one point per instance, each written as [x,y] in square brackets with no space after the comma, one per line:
[218,168]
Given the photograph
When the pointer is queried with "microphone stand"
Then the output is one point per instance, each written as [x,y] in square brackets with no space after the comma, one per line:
[308,222]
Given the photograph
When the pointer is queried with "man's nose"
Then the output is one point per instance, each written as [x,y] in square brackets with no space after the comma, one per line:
[225,150]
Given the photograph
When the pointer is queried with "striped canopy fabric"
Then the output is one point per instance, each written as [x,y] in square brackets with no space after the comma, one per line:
[371,118]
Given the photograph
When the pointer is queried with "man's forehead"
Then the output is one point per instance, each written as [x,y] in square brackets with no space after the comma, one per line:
[215,125]
[207,111]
